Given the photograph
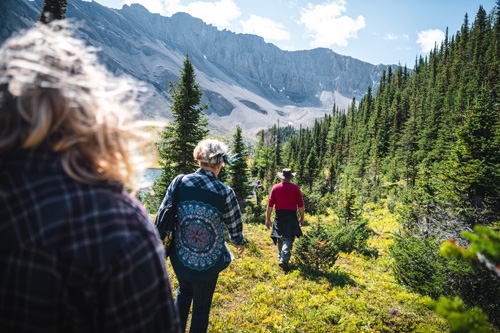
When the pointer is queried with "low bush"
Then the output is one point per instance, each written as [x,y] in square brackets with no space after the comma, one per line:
[418,265]
[319,248]
[353,237]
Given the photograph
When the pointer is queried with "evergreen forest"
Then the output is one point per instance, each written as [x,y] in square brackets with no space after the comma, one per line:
[423,152]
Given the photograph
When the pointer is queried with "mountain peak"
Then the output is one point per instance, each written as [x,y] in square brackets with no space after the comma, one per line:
[247,81]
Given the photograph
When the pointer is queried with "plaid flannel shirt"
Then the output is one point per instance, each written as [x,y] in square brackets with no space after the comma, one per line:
[231,216]
[76,257]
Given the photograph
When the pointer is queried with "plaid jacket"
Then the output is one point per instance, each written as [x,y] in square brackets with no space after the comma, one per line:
[206,205]
[76,257]
[231,215]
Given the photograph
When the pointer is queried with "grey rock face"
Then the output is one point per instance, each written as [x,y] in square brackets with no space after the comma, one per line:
[247,81]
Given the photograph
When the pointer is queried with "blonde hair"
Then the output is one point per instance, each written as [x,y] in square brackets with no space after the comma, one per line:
[54,94]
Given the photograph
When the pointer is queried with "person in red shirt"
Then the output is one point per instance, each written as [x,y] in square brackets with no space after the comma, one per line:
[286,198]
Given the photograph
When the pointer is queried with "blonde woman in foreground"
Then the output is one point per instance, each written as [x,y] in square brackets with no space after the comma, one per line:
[77,252]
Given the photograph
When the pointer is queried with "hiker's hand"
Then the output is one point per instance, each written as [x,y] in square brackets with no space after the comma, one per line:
[268,223]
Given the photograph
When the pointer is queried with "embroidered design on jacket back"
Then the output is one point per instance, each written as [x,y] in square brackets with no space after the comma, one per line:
[200,235]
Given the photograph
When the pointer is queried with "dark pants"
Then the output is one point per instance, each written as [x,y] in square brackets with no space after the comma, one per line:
[199,293]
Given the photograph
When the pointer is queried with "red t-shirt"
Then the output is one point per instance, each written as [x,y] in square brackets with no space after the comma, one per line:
[285,196]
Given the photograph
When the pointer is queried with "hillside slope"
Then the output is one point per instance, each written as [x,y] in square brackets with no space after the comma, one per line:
[247,81]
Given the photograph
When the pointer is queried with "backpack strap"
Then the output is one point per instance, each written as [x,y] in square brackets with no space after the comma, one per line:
[175,189]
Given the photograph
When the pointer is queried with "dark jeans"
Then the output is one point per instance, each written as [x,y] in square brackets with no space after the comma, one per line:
[199,293]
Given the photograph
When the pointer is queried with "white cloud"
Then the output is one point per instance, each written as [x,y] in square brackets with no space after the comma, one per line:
[265,27]
[327,25]
[219,13]
[396,37]
[428,38]
[391,37]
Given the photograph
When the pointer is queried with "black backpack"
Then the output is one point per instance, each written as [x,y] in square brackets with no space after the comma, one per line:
[166,217]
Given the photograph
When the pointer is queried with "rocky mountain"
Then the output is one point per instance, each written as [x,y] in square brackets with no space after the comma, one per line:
[247,81]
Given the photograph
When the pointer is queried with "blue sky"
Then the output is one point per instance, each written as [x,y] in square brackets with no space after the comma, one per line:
[375,31]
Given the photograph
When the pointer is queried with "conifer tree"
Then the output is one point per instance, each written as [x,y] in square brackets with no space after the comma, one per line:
[480,33]
[362,139]
[53,10]
[290,152]
[189,126]
[278,147]
[303,149]
[335,136]
[332,174]
[239,168]
[473,169]
[311,168]
[461,65]
[322,141]
[317,250]
[494,56]
[259,162]
[409,148]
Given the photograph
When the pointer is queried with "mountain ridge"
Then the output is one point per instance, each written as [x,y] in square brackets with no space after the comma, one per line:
[247,81]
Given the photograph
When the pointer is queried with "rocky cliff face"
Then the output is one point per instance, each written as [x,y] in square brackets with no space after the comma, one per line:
[247,81]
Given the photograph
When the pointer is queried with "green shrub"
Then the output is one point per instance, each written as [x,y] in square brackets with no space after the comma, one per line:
[348,208]
[460,318]
[484,248]
[418,265]
[317,249]
[391,203]
[353,237]
[483,252]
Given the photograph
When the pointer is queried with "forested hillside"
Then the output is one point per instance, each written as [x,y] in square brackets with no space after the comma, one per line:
[427,145]
[437,126]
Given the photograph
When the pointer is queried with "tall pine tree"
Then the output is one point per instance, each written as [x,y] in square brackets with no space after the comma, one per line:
[239,168]
[189,126]
[473,171]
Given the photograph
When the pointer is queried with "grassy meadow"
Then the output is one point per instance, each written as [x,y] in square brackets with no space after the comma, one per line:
[357,294]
